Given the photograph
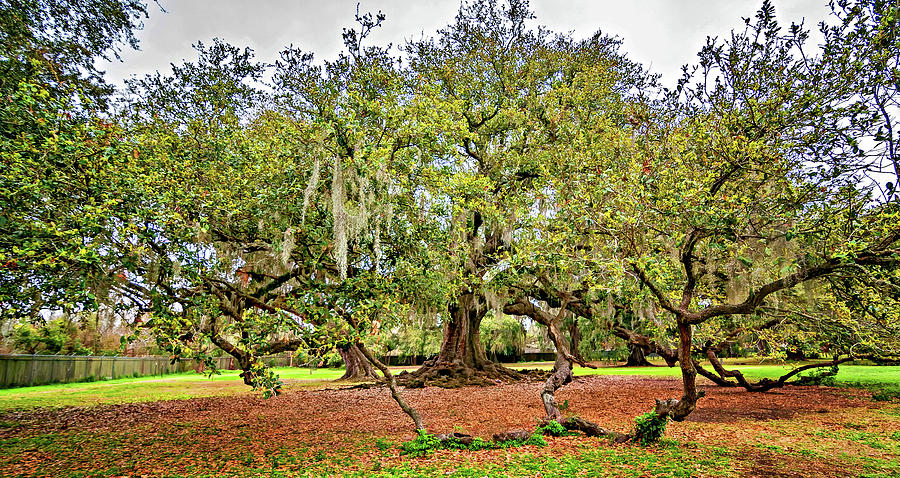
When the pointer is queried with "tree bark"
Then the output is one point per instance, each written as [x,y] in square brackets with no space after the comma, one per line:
[461,341]
[356,367]
[721,376]
[562,374]
[646,344]
[562,371]
[244,359]
[575,339]
[678,410]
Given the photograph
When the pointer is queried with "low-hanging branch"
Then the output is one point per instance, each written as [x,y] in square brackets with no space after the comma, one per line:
[522,306]
[722,375]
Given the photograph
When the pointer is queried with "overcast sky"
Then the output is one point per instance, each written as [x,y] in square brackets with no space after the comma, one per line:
[661,34]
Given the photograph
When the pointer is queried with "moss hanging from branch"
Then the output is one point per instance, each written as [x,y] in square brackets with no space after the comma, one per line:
[310,188]
[339,213]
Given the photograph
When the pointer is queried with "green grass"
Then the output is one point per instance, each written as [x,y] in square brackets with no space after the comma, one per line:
[190,384]
[296,373]
[669,459]
[865,376]
[147,389]
[120,452]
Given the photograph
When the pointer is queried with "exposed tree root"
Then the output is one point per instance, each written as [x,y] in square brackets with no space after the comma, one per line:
[587,427]
[455,375]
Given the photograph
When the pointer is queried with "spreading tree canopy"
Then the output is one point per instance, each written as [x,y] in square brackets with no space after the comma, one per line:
[496,167]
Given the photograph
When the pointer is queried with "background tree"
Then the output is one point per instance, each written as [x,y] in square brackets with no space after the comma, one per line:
[61,196]
[505,86]
[752,189]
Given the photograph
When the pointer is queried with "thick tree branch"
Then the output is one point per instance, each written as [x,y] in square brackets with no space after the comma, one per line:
[660,296]
[523,307]
[652,346]
[756,297]
[687,261]
[763,385]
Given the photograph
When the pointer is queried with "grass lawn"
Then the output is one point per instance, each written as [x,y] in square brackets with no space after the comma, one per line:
[190,384]
[847,374]
[149,389]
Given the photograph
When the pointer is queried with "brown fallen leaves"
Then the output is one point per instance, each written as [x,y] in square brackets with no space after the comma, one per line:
[222,433]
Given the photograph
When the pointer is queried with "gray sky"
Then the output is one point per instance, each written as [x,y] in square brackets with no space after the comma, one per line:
[661,34]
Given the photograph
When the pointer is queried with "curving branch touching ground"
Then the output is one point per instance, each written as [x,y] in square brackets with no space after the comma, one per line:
[562,373]
[392,385]
[721,377]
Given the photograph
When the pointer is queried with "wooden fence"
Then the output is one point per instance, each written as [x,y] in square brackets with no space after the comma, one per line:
[26,370]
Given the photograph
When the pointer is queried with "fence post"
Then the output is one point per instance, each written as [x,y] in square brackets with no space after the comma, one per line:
[52,371]
[113,373]
[31,371]
[70,371]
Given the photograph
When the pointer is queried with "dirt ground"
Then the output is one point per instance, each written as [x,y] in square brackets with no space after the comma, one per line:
[786,432]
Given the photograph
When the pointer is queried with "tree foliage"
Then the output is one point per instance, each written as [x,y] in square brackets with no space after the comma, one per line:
[61,189]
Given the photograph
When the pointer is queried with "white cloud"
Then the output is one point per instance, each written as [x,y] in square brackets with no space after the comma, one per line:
[661,34]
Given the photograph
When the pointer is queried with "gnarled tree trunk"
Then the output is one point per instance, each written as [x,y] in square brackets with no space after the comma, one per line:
[637,356]
[562,374]
[562,371]
[461,341]
[356,367]
[575,339]
[462,359]
[678,410]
